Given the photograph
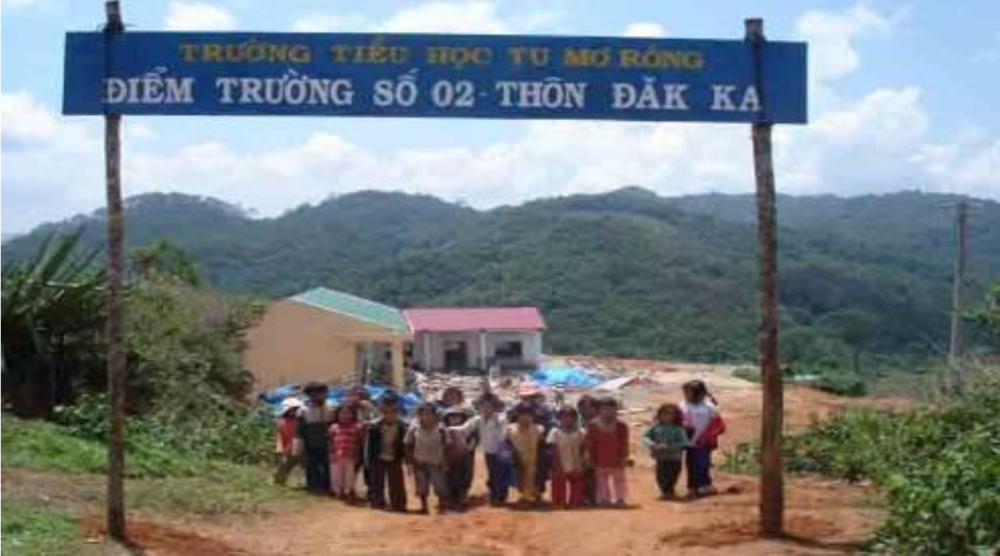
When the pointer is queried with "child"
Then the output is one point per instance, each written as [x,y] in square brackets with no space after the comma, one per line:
[284,441]
[666,440]
[345,439]
[425,448]
[586,406]
[461,456]
[384,454]
[704,426]
[607,445]
[489,427]
[567,445]
[526,441]
[311,431]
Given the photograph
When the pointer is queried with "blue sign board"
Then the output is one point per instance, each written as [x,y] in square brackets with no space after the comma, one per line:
[439,76]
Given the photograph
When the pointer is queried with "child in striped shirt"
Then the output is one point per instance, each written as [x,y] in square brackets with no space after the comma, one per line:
[345,446]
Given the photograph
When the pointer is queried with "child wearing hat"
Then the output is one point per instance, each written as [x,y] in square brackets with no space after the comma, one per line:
[284,439]
[311,434]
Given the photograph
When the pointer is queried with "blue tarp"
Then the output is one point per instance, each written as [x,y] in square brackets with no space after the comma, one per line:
[334,396]
[564,376]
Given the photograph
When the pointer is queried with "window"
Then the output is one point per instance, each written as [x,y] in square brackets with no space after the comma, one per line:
[509,350]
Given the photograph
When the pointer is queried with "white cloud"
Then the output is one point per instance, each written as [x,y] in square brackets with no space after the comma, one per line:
[881,142]
[184,15]
[330,23]
[15,4]
[644,29]
[832,36]
[438,16]
[476,16]
[990,54]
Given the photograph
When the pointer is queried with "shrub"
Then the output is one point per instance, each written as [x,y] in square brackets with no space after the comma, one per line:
[209,427]
[939,468]
[949,504]
[30,529]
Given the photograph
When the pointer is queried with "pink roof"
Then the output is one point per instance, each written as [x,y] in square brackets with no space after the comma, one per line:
[466,319]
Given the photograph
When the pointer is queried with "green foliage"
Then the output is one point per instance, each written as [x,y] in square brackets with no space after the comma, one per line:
[223,489]
[185,342]
[939,468]
[987,317]
[52,316]
[164,477]
[42,445]
[951,503]
[842,382]
[200,426]
[628,272]
[31,529]
[163,258]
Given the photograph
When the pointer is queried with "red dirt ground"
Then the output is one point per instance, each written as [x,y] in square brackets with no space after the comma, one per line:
[822,517]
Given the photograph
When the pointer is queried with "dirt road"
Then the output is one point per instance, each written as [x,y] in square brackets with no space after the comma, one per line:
[822,517]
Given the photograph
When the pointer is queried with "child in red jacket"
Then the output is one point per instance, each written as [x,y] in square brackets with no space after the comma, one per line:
[704,425]
[608,447]
[284,440]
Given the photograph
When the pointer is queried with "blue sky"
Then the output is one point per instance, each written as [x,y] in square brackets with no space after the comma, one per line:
[902,97]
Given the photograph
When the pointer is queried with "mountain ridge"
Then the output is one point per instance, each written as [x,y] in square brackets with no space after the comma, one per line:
[626,272]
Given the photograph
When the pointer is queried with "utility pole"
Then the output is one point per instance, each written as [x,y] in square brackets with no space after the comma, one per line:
[772,498]
[955,346]
[115,292]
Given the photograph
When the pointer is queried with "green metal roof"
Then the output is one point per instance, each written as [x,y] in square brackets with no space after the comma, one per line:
[354,306]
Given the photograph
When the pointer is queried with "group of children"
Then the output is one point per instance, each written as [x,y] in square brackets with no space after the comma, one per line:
[580,452]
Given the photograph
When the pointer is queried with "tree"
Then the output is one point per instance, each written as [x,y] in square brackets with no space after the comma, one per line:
[988,315]
[858,329]
[52,322]
[165,258]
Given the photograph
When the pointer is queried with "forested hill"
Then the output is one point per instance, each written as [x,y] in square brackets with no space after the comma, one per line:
[627,272]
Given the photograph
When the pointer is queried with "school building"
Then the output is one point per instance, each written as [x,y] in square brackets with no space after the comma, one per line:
[328,336]
[463,338]
[337,338]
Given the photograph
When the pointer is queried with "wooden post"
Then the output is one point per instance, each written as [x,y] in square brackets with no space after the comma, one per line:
[955,346]
[115,302]
[398,368]
[771,477]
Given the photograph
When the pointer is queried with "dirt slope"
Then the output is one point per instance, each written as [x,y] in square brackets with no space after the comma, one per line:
[822,517]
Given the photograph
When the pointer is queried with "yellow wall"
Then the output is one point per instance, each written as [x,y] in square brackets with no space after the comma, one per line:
[294,343]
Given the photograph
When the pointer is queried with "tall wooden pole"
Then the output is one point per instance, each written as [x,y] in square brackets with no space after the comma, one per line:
[772,501]
[955,346]
[115,301]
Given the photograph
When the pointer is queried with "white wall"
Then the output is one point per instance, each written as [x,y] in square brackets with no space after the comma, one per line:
[531,345]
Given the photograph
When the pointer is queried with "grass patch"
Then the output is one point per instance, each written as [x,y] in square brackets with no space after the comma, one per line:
[42,445]
[30,529]
[229,489]
[163,480]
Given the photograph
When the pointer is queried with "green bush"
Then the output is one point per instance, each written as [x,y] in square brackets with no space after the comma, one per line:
[833,380]
[949,504]
[30,529]
[841,383]
[42,445]
[939,468]
[208,427]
